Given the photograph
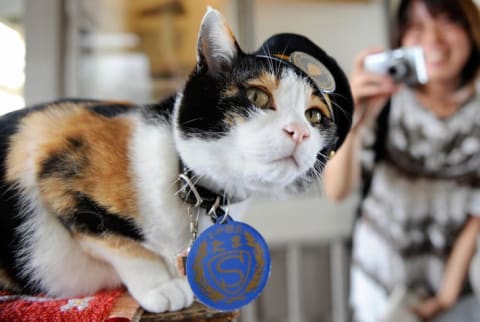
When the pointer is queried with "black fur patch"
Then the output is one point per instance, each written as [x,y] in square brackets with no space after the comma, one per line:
[66,163]
[10,241]
[163,108]
[92,218]
[110,109]
[204,108]
[161,111]
[199,115]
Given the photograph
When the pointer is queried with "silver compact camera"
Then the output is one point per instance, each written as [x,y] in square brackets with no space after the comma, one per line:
[404,65]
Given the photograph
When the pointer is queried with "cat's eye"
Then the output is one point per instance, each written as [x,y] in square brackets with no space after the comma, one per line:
[314,116]
[258,97]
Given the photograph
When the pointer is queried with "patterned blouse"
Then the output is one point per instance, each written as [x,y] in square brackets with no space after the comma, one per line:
[421,192]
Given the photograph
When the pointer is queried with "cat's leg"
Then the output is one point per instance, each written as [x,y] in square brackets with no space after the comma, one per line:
[144,273]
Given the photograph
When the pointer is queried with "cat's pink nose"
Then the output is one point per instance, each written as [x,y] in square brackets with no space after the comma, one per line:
[298,132]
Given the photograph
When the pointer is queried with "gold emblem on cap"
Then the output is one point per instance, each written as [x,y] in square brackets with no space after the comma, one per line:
[319,73]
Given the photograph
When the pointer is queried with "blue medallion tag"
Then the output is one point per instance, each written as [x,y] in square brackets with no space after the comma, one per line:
[228,265]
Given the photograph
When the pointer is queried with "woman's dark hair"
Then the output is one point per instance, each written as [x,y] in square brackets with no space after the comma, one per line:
[463,12]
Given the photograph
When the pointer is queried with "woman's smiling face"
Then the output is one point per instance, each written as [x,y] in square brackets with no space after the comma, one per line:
[445,42]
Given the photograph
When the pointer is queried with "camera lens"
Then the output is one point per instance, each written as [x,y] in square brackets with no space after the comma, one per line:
[398,69]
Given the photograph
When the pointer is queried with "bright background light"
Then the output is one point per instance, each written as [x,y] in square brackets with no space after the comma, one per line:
[12,67]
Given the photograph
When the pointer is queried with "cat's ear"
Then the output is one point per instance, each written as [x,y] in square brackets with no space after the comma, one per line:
[217,47]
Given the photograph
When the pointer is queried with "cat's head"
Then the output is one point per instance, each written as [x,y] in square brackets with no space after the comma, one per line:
[263,122]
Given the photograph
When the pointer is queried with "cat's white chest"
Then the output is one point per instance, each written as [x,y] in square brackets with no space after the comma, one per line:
[155,166]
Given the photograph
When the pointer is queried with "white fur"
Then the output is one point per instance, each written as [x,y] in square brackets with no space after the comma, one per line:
[155,166]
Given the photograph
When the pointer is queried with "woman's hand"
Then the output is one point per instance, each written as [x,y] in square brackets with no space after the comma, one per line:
[370,91]
[429,308]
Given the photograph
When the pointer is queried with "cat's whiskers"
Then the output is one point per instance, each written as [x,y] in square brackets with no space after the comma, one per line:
[269,61]
[277,66]
[274,65]
[192,120]
[317,172]
[203,133]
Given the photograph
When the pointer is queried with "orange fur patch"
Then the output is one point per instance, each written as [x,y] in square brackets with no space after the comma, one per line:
[320,103]
[103,166]
[267,81]
[230,91]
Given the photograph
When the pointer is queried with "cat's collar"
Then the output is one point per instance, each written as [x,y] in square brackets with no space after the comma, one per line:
[311,67]
[199,196]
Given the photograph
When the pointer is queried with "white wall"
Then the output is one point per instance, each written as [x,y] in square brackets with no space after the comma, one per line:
[11,8]
[44,57]
[342,28]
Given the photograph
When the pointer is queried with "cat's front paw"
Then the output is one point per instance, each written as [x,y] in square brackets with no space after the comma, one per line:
[172,295]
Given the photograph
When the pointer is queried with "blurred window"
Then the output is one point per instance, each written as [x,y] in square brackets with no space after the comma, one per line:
[138,50]
[12,56]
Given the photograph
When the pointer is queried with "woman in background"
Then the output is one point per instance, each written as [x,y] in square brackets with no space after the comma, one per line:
[414,154]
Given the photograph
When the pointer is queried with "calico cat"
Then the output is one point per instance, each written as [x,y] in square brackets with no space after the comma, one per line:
[90,190]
